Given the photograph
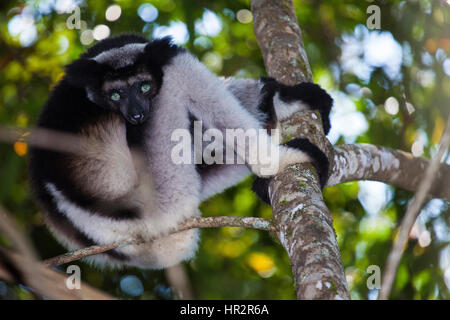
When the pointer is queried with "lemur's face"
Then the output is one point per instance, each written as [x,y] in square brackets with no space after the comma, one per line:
[131,96]
[123,79]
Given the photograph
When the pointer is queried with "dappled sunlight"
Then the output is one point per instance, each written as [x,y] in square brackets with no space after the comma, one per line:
[343,115]
[365,50]
[176,29]
[391,87]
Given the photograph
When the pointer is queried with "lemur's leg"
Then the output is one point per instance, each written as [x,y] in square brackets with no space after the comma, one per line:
[218,177]
[269,101]
[81,194]
[286,100]
[320,162]
[277,102]
[218,109]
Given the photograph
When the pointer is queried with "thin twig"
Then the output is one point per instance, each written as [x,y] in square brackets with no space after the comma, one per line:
[208,222]
[411,214]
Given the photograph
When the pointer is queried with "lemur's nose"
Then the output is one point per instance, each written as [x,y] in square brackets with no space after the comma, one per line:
[137,118]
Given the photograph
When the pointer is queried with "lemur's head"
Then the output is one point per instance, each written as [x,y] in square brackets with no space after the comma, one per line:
[123,74]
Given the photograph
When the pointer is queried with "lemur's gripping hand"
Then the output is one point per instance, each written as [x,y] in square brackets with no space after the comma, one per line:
[320,162]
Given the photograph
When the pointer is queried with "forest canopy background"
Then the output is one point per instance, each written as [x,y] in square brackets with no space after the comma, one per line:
[391,88]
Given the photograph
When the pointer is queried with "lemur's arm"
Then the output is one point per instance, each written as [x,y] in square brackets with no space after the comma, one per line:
[209,100]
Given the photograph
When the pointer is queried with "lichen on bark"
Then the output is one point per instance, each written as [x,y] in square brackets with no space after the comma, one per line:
[303,222]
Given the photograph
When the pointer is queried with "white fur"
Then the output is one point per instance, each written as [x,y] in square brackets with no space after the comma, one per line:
[222,178]
[285,109]
[102,230]
[93,170]
[176,189]
[122,56]
[193,82]
[248,92]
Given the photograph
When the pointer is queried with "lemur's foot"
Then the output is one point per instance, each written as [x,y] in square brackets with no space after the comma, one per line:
[308,93]
[312,94]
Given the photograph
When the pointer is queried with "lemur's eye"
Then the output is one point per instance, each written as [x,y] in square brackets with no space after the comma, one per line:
[115,96]
[145,87]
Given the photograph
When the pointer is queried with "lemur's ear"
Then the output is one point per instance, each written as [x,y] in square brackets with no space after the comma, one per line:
[84,72]
[159,51]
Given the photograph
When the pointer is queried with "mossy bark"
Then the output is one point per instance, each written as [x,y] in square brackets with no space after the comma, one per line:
[303,222]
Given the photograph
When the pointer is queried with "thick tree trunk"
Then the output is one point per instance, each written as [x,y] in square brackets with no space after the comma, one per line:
[304,223]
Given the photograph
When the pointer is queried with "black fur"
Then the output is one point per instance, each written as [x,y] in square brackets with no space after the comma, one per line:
[135,135]
[268,91]
[308,92]
[261,188]
[313,95]
[68,109]
[85,72]
[321,163]
[157,53]
[317,99]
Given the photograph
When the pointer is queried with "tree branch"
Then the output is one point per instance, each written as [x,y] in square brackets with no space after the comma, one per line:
[351,162]
[354,162]
[411,215]
[208,222]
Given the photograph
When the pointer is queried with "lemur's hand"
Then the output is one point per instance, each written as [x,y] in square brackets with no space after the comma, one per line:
[313,155]
[279,160]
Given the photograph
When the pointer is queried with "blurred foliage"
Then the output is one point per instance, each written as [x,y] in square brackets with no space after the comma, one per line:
[233,263]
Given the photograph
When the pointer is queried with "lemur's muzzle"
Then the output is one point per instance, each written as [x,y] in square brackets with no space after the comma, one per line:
[138,118]
[138,110]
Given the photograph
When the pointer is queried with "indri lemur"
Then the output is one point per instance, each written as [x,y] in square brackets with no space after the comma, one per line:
[129,94]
